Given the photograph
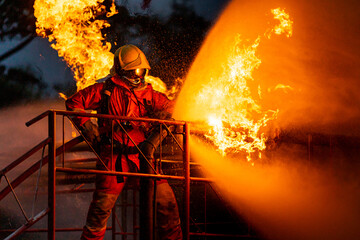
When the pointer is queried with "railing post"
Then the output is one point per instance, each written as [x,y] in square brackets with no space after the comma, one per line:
[51,175]
[186,214]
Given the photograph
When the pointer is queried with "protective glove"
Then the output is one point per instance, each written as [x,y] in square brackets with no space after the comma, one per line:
[91,132]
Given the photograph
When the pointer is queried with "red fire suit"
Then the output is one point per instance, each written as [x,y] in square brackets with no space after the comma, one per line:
[124,101]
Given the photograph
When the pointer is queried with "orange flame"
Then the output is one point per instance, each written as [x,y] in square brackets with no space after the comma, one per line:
[286,24]
[231,106]
[156,83]
[226,101]
[71,27]
[63,96]
[235,117]
[160,86]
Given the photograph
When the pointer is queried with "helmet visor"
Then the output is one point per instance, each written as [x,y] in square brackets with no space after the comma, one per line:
[135,73]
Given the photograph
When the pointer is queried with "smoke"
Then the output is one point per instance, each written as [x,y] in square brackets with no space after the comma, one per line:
[15,140]
[319,63]
[15,137]
[287,198]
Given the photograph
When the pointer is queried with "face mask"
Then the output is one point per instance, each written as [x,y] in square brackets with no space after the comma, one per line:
[135,76]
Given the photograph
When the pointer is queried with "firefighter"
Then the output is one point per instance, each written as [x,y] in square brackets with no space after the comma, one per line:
[123,93]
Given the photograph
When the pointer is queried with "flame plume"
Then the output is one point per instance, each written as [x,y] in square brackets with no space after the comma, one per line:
[234,125]
[75,34]
[231,104]
[229,107]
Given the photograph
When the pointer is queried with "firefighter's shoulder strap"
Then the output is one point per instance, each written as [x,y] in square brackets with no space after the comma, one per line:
[105,96]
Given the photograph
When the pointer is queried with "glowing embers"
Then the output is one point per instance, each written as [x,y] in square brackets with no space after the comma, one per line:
[234,117]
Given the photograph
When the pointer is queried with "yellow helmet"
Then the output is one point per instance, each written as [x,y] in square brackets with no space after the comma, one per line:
[131,64]
[129,57]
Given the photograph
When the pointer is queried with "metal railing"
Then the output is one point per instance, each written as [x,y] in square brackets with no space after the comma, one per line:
[54,168]
[53,152]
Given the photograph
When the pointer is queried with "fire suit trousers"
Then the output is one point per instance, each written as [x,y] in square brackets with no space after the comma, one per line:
[168,220]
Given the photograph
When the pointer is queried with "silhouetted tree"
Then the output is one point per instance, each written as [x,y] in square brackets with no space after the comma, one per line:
[17,21]
[16,18]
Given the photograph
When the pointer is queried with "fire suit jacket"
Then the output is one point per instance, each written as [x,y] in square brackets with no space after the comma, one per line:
[123,102]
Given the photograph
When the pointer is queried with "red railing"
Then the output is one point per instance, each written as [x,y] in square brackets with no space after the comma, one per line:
[53,152]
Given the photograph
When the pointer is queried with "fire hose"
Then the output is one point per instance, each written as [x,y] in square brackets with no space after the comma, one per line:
[147,185]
